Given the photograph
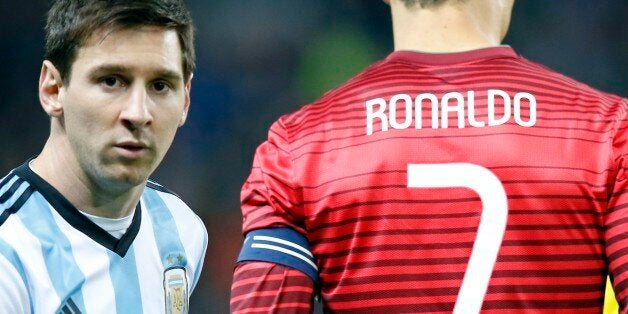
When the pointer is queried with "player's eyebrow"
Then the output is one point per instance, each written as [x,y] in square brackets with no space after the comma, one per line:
[163,73]
[168,75]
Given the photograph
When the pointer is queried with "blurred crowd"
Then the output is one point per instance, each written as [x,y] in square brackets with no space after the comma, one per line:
[260,59]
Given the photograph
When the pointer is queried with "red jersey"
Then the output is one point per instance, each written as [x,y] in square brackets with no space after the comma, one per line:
[434,182]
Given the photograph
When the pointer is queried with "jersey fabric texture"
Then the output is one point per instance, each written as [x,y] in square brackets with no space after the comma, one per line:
[389,176]
[55,260]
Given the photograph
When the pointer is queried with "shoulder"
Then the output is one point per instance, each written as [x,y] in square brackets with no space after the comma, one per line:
[567,84]
[158,187]
[171,215]
[13,292]
[156,194]
[342,98]
[14,192]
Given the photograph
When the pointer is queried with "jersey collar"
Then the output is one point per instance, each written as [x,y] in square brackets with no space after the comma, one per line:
[452,58]
[77,220]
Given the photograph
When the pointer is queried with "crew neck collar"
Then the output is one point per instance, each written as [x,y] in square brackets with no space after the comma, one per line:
[453,57]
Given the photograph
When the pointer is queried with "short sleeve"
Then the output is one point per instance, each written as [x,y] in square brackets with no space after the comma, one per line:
[270,197]
[616,217]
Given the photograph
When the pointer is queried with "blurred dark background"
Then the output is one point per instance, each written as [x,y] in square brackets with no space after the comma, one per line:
[260,59]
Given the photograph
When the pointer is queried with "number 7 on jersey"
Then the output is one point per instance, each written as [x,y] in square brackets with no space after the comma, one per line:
[492,222]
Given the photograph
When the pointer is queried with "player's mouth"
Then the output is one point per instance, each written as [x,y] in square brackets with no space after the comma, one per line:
[132,149]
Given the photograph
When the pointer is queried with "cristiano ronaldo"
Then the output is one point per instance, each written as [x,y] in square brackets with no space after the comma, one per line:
[454,175]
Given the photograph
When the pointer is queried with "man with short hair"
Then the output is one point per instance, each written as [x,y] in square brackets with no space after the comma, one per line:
[82,230]
[454,175]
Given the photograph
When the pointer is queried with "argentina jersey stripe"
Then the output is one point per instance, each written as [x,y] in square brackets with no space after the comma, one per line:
[149,265]
[171,251]
[43,295]
[14,192]
[126,284]
[165,230]
[9,254]
[92,260]
[63,270]
[193,241]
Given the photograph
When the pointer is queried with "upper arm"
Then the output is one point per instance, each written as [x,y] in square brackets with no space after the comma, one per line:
[270,288]
[275,258]
[272,208]
[199,253]
[271,196]
[281,246]
[616,218]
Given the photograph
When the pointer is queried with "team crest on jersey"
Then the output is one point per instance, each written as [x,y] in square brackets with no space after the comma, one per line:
[176,290]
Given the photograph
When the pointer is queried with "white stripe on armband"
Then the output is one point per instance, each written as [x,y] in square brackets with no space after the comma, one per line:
[285,251]
[284,242]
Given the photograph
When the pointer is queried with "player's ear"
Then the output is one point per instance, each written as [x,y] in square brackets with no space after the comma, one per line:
[49,86]
[186,105]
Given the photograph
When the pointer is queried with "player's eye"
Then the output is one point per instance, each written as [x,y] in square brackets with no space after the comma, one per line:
[161,86]
[111,82]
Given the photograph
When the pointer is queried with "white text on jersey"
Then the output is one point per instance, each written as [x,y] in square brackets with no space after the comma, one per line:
[454,103]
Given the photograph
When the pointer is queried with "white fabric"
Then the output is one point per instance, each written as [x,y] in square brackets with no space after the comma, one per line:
[117,227]
[13,293]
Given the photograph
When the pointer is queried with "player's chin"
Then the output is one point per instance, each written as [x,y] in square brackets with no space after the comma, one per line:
[130,177]
[131,172]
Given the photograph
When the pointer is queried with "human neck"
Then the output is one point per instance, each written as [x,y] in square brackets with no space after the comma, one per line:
[450,27]
[64,173]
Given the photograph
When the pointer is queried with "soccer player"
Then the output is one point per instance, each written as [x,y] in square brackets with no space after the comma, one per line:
[454,175]
[82,230]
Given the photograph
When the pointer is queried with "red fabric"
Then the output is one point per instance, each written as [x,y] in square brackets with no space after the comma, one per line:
[269,288]
[383,247]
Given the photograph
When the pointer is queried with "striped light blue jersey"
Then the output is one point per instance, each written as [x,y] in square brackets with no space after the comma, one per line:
[53,259]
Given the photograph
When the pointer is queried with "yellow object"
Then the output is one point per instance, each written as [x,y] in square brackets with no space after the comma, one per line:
[610,303]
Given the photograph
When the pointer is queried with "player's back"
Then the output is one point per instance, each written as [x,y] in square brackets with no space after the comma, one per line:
[395,168]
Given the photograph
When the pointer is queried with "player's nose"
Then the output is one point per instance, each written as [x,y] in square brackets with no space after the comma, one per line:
[136,109]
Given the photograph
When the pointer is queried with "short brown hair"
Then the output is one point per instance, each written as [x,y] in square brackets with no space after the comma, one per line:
[70,23]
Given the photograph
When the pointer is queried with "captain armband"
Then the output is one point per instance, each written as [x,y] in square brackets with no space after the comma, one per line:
[282,246]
